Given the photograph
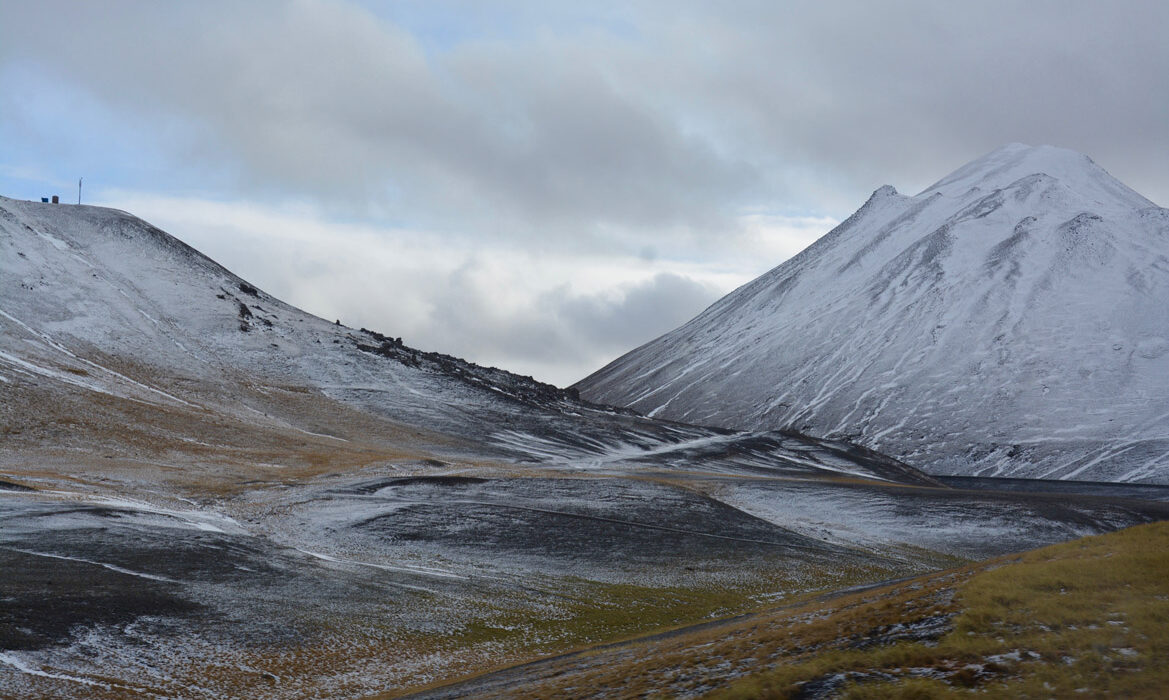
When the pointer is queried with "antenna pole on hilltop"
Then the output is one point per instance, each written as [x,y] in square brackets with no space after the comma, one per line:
[79,190]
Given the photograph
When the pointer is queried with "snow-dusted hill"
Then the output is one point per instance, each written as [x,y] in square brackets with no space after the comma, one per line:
[1012,319]
[106,319]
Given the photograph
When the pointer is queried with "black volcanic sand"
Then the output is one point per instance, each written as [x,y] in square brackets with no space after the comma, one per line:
[1148,492]
[968,523]
[43,599]
[67,568]
[585,526]
[579,526]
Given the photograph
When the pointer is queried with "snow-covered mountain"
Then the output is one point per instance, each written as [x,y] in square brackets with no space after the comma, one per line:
[1010,320]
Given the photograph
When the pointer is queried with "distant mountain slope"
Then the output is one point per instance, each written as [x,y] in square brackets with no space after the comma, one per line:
[110,326]
[1012,319]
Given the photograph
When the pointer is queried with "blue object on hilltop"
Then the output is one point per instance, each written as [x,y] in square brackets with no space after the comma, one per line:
[45,200]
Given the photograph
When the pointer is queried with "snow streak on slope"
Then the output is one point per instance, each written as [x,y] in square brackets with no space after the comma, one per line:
[1012,319]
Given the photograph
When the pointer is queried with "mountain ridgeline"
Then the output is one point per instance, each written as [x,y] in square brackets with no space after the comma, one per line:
[1010,320]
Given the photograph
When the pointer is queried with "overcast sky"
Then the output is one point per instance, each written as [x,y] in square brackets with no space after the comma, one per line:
[543,189]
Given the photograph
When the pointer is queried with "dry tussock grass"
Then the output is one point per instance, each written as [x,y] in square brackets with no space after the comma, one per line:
[232,439]
[1088,618]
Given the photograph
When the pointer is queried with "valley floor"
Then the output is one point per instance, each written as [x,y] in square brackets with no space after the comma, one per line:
[400,576]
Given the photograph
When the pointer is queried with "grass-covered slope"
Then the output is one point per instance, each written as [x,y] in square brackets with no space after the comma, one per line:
[1087,618]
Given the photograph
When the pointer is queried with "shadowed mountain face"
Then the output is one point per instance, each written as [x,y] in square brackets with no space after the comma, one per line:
[1010,320]
[207,492]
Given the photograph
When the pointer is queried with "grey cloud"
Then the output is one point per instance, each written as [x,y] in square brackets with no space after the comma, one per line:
[701,111]
[572,332]
[465,318]
[327,101]
[645,312]
[868,93]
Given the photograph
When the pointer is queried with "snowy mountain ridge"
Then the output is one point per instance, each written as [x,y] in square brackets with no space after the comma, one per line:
[1010,320]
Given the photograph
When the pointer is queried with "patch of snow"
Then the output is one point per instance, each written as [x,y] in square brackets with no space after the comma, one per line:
[13,659]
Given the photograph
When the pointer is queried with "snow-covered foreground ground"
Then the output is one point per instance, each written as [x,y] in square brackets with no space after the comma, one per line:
[206,492]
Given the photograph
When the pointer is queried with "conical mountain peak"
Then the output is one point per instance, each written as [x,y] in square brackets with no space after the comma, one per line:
[1010,320]
[1008,164]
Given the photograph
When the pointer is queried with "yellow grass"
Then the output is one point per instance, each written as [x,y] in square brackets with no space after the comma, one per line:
[1088,618]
